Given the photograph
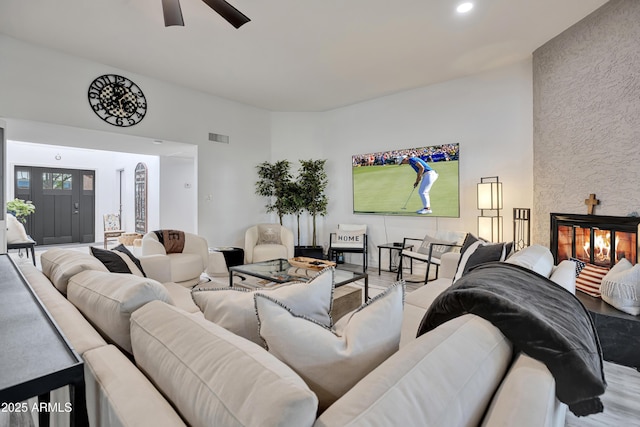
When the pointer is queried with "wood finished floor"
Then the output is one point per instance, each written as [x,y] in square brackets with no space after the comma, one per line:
[621,399]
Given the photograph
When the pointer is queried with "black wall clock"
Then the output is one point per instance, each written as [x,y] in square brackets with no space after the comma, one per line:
[117,100]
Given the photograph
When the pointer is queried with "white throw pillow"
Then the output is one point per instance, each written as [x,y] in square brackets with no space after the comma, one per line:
[438,249]
[234,308]
[269,234]
[15,231]
[332,361]
[535,257]
[564,274]
[620,266]
[622,289]
[348,239]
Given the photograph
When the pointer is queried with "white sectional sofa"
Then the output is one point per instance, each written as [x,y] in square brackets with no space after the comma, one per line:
[463,373]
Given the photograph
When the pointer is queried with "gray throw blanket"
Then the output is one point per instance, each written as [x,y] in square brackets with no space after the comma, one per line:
[540,318]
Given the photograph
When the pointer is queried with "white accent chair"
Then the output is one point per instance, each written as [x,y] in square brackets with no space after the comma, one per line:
[183,268]
[263,242]
[350,238]
[17,238]
[429,250]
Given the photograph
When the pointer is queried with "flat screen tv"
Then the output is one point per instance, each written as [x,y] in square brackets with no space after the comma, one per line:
[383,181]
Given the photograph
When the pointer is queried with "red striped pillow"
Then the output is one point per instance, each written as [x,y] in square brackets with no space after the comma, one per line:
[589,279]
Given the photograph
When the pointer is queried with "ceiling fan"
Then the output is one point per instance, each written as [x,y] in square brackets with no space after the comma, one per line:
[173,13]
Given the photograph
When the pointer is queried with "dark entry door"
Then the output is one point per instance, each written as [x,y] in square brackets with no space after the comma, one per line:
[64,201]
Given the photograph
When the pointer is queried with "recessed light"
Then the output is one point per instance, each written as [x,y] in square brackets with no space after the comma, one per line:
[464,7]
[157,142]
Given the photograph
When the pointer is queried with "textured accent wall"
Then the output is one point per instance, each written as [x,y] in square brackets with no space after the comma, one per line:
[586,117]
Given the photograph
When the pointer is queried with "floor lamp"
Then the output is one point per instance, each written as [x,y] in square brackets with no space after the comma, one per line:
[489,204]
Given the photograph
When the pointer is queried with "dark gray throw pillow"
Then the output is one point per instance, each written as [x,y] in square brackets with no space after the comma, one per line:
[119,260]
[476,251]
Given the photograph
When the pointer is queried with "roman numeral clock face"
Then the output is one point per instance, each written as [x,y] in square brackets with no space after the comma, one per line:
[117,100]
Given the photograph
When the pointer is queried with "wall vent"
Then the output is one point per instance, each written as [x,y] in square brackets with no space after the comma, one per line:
[216,137]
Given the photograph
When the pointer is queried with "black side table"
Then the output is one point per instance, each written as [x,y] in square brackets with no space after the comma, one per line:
[391,247]
[619,332]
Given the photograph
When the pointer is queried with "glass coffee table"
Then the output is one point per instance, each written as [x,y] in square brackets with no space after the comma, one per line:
[280,271]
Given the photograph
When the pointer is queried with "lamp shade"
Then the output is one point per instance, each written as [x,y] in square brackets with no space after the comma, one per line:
[490,228]
[490,195]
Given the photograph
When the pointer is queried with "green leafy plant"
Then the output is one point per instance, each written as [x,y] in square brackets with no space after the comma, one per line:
[294,203]
[312,179]
[273,182]
[21,209]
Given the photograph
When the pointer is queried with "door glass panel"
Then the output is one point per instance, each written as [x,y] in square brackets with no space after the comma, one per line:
[57,181]
[87,182]
[23,180]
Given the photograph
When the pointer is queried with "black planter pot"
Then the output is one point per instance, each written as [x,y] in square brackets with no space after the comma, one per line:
[309,251]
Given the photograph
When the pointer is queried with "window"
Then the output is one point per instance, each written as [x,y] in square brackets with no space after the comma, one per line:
[23,180]
[57,181]
[87,182]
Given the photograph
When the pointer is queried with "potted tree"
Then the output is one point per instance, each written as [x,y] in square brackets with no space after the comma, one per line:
[294,203]
[273,182]
[312,181]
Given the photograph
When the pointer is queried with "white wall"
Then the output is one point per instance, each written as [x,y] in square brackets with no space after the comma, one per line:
[489,114]
[179,187]
[56,93]
[106,165]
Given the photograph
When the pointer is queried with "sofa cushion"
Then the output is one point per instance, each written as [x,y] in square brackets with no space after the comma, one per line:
[416,304]
[119,395]
[81,335]
[181,297]
[185,266]
[341,357]
[446,377]
[59,265]
[266,252]
[535,257]
[108,299]
[621,288]
[476,251]
[526,397]
[118,260]
[214,377]
[234,308]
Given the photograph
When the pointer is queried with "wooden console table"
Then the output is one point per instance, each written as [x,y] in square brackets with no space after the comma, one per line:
[619,332]
[36,357]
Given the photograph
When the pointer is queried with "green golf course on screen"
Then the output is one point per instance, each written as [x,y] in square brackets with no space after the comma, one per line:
[402,182]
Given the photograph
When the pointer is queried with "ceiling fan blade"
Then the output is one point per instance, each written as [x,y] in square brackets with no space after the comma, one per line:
[172,13]
[228,12]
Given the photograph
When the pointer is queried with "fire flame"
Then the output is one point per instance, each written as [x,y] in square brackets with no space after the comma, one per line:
[601,247]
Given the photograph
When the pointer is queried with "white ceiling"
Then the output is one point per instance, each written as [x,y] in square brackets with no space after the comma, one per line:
[297,55]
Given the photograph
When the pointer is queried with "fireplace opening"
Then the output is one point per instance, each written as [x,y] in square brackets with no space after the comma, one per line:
[599,240]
